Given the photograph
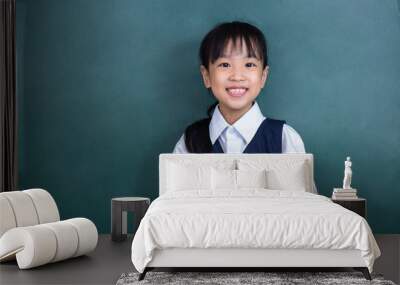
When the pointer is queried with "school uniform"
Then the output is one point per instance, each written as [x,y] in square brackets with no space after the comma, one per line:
[252,133]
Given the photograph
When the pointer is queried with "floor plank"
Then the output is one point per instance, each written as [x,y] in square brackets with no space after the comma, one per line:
[389,262]
[111,259]
[103,266]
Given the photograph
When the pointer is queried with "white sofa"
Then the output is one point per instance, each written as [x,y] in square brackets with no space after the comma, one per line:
[31,231]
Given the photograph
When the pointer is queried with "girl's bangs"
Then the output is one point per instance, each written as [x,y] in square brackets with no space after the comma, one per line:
[241,35]
[220,46]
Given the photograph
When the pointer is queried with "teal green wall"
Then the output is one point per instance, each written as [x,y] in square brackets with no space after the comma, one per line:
[105,86]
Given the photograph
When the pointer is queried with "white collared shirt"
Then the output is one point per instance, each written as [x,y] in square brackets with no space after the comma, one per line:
[235,138]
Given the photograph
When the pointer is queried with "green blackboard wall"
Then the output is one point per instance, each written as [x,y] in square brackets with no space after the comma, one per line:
[105,86]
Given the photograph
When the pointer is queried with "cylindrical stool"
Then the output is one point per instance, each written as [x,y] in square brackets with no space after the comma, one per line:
[119,208]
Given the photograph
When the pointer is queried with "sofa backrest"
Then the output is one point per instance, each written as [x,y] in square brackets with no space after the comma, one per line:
[26,208]
[279,163]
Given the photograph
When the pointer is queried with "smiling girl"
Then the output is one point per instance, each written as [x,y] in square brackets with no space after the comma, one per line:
[234,67]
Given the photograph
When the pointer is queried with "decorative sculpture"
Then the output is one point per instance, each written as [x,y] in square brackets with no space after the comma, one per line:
[348,173]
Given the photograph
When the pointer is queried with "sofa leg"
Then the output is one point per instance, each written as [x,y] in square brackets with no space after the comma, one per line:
[364,271]
[143,274]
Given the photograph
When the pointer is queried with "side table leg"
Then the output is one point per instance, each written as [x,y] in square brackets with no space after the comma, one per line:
[124,220]
[116,221]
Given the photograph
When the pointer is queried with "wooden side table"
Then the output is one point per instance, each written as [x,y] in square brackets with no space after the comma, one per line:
[119,208]
[358,206]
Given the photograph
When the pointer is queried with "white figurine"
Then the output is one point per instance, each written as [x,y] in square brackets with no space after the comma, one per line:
[348,173]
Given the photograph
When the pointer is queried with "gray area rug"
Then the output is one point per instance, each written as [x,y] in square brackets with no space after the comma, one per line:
[270,278]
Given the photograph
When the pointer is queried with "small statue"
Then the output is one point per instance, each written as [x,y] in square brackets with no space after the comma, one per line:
[348,173]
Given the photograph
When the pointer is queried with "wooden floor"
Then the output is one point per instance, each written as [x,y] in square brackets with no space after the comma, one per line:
[102,266]
[111,259]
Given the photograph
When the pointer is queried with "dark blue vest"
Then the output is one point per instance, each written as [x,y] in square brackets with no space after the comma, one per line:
[268,138]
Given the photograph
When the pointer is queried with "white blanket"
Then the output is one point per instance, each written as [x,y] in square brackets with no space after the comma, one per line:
[251,218]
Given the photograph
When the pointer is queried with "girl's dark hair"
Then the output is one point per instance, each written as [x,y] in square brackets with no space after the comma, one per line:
[214,43]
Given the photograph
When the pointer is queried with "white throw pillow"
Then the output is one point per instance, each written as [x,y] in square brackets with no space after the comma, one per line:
[228,179]
[292,178]
[251,178]
[181,177]
[282,174]
[223,179]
